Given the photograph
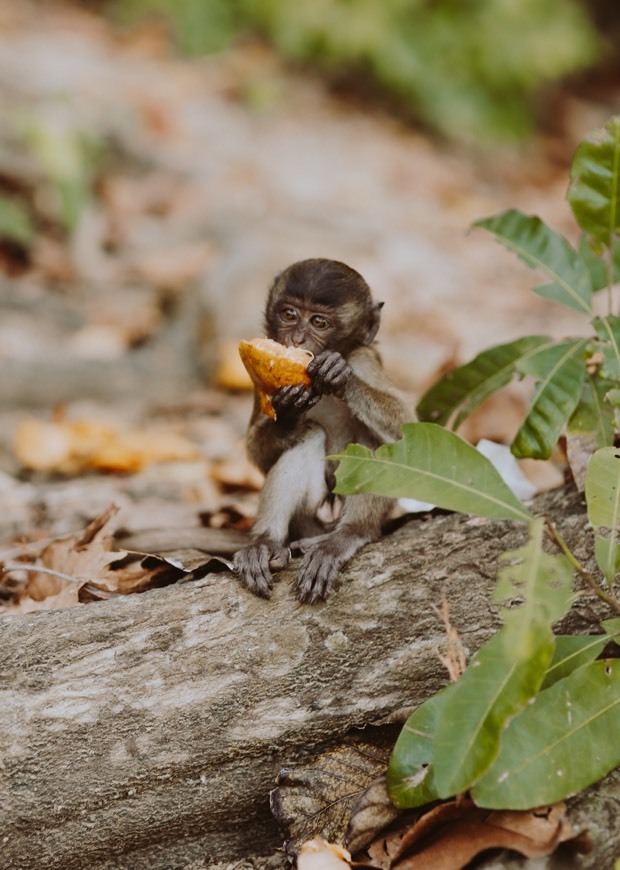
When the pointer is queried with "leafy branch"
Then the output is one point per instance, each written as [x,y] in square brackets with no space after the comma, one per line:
[530,702]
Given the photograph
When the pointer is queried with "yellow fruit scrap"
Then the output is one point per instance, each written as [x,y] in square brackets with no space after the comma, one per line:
[272,365]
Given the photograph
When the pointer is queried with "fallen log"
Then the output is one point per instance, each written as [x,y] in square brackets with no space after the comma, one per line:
[147,731]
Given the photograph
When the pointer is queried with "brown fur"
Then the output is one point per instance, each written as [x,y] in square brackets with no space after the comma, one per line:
[326,307]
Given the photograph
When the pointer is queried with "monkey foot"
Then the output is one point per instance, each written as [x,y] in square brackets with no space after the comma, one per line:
[253,565]
[317,576]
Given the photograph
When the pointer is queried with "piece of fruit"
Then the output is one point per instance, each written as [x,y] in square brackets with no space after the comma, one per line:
[272,365]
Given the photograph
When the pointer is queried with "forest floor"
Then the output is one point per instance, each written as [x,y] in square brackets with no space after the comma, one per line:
[192,182]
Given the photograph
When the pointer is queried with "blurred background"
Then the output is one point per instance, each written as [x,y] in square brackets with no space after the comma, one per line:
[161,160]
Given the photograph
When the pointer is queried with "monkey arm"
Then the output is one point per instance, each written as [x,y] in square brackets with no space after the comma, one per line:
[373,399]
[383,412]
[267,439]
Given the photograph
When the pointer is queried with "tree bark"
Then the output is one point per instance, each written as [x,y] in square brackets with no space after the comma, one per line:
[147,731]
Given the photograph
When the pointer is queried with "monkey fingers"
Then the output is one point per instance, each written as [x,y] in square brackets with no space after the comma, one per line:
[294,399]
[317,576]
[252,565]
[329,371]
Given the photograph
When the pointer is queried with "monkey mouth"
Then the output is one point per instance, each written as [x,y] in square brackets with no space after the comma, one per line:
[300,345]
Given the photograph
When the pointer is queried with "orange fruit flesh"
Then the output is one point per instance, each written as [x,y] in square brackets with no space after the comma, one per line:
[272,365]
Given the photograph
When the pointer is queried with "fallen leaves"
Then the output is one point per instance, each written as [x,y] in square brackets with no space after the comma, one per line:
[340,804]
[72,447]
[55,576]
[90,566]
[450,836]
[318,800]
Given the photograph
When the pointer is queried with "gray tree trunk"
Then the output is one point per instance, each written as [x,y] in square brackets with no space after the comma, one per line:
[146,732]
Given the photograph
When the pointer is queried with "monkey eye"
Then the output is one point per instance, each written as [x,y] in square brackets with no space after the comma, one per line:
[319,322]
[288,314]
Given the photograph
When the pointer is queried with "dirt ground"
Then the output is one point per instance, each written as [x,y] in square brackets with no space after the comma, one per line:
[213,175]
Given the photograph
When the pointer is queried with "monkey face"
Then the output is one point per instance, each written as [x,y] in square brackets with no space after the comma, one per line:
[299,326]
[321,305]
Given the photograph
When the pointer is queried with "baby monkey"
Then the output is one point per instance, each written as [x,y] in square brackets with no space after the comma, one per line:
[325,307]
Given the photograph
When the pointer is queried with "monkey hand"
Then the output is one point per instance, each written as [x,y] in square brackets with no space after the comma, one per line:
[330,372]
[253,565]
[318,573]
[293,400]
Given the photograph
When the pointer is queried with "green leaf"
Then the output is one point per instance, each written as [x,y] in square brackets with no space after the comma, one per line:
[465,387]
[607,555]
[593,416]
[608,331]
[602,488]
[611,627]
[543,582]
[572,652]
[508,670]
[541,248]
[495,686]
[431,464]
[560,744]
[597,265]
[561,371]
[594,191]
[410,776]
[15,222]
[613,398]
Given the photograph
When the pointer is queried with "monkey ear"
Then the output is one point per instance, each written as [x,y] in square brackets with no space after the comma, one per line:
[375,321]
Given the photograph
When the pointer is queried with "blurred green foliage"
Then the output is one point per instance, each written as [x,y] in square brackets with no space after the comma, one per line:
[471,69]
[68,157]
[197,26]
[15,223]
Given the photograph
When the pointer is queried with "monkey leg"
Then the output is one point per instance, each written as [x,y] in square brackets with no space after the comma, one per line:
[304,545]
[361,523]
[295,485]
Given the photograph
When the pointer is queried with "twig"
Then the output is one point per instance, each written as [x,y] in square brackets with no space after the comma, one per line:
[557,539]
[454,659]
[8,568]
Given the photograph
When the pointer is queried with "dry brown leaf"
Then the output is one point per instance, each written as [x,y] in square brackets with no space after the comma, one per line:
[239,473]
[381,851]
[87,555]
[72,447]
[451,835]
[545,474]
[498,418]
[82,557]
[372,812]
[132,573]
[317,800]
[67,597]
[85,567]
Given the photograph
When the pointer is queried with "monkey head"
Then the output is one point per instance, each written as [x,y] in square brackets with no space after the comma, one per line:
[319,305]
